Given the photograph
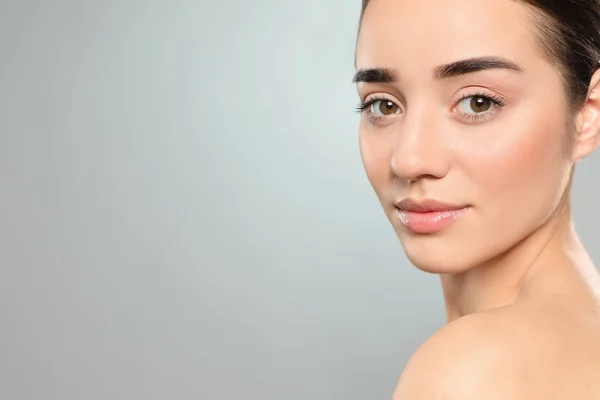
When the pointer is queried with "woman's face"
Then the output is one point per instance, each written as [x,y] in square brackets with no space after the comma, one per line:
[462,108]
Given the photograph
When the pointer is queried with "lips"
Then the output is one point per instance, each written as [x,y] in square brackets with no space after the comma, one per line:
[425,206]
[428,216]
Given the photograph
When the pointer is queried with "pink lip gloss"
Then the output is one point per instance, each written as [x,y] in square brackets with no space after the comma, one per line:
[429,222]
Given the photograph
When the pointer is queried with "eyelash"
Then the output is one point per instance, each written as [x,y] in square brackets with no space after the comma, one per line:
[363,108]
[497,101]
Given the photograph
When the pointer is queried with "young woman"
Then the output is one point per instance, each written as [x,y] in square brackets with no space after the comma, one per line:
[474,114]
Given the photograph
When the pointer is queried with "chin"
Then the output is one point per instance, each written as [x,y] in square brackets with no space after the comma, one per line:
[437,255]
[436,264]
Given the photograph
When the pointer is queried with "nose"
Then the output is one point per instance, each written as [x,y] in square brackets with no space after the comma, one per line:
[420,150]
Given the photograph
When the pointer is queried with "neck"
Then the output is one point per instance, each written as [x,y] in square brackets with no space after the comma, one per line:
[503,280]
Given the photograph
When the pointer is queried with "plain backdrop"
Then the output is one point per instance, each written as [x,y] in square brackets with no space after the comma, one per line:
[184,213]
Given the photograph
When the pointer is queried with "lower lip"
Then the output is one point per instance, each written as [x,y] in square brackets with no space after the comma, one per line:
[429,222]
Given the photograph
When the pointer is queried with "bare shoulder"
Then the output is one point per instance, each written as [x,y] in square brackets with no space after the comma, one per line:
[468,358]
[502,354]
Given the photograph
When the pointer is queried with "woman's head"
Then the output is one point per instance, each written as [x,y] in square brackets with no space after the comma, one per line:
[485,104]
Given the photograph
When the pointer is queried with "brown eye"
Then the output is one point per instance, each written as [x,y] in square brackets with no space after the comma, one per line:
[384,107]
[480,104]
[477,104]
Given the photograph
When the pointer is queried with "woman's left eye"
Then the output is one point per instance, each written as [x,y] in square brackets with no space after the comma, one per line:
[477,104]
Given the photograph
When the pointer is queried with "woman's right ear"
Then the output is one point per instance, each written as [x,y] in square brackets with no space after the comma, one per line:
[588,122]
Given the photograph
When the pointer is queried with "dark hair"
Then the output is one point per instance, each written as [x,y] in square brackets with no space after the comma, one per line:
[569,36]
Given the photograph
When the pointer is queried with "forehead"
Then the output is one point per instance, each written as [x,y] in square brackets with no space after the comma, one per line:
[425,33]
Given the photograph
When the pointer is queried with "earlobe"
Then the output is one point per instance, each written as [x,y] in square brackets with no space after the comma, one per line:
[588,122]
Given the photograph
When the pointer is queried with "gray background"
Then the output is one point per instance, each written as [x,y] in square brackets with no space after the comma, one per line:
[184,213]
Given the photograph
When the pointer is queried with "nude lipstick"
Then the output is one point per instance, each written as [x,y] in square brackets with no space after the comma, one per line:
[428,216]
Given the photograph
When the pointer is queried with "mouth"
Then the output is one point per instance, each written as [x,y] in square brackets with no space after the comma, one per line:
[428,216]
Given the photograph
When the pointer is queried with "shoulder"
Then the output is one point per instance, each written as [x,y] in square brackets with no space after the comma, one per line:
[474,357]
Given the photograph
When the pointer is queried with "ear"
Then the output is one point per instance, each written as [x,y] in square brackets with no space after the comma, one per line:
[588,122]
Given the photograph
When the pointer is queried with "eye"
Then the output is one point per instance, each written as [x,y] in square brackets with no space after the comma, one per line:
[377,110]
[382,107]
[479,107]
[476,104]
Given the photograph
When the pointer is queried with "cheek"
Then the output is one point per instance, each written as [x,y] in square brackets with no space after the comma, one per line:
[376,153]
[522,174]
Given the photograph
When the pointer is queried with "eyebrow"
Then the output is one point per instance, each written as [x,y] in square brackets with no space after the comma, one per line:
[375,75]
[471,65]
[457,68]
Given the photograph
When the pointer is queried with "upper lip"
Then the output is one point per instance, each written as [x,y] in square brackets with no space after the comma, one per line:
[426,205]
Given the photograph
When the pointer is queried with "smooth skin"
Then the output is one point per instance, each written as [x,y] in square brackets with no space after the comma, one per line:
[522,296]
